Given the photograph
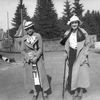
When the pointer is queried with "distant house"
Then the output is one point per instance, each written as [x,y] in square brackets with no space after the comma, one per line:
[1,37]
[1,34]
[5,41]
[18,36]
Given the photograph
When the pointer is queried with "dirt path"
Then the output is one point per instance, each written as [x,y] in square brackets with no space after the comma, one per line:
[12,78]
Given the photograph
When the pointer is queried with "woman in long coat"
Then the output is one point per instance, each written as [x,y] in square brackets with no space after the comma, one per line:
[32,50]
[77,67]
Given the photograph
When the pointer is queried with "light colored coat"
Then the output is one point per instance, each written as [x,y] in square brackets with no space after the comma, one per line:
[80,71]
[41,69]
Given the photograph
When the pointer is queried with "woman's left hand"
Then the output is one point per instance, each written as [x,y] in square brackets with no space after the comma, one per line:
[34,60]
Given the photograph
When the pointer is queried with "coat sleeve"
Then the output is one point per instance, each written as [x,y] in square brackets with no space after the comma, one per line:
[64,39]
[86,35]
[40,47]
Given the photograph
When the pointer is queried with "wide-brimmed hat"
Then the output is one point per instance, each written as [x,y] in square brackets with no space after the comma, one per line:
[74,18]
[28,25]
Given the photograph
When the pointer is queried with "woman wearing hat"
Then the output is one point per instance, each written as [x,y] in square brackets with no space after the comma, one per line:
[32,49]
[76,48]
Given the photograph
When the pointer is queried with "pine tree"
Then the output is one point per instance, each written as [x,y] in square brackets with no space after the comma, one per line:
[87,21]
[90,23]
[17,19]
[67,11]
[45,19]
[96,16]
[66,16]
[78,8]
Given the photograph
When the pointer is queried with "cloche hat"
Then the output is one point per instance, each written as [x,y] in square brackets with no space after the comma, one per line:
[74,18]
[28,25]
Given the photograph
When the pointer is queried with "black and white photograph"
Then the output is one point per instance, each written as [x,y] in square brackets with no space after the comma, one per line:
[49,50]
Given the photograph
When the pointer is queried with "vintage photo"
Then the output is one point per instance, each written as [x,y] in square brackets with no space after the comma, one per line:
[49,49]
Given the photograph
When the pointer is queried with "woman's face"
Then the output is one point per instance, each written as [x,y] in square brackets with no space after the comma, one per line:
[30,31]
[74,25]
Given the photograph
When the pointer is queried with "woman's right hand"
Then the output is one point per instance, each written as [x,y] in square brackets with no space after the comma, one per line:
[66,56]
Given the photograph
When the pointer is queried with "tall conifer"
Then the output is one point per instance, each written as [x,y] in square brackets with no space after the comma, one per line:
[78,8]
[17,17]
[45,19]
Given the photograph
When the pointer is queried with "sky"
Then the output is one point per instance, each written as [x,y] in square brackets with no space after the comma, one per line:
[8,9]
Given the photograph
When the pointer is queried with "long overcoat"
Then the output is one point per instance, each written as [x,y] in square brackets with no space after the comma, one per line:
[29,80]
[80,71]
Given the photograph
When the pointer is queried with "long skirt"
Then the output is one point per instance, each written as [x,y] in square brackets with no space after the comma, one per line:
[72,58]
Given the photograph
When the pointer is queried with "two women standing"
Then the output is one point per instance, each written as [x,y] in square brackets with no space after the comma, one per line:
[76,48]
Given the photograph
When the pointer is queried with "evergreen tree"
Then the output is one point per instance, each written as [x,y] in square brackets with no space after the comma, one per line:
[67,11]
[96,27]
[90,23]
[45,19]
[87,21]
[97,18]
[66,16]
[17,19]
[78,8]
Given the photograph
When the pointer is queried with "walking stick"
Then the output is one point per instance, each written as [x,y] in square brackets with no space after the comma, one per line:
[63,91]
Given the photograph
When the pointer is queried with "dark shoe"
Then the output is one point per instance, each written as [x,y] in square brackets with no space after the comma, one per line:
[31,91]
[75,95]
[34,98]
[45,96]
